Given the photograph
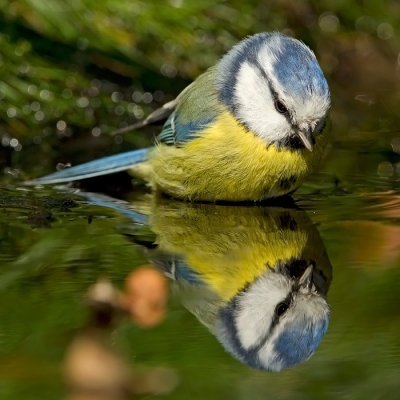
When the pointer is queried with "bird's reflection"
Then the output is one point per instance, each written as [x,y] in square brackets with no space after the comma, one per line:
[256,277]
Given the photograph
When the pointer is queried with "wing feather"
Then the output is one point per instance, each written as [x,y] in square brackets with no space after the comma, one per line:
[196,107]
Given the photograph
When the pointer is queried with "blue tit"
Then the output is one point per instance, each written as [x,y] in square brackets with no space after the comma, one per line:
[249,128]
[256,277]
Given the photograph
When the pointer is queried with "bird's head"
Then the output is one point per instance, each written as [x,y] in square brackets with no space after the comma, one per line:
[277,321]
[274,86]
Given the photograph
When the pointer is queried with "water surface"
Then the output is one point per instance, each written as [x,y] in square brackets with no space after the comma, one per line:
[55,245]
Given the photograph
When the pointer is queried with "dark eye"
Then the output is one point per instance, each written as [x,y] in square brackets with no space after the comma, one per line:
[281,308]
[280,107]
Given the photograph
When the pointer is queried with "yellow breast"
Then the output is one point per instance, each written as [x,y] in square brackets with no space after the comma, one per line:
[227,162]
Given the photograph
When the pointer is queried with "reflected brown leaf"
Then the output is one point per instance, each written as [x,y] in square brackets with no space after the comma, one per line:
[145,296]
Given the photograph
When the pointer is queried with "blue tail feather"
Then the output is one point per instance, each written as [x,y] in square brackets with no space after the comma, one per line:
[103,166]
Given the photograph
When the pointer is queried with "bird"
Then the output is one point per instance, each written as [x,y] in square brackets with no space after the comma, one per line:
[257,277]
[250,128]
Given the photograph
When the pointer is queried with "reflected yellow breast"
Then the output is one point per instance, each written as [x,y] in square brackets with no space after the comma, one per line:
[230,247]
[228,273]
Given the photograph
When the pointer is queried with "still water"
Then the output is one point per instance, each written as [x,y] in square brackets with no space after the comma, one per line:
[57,243]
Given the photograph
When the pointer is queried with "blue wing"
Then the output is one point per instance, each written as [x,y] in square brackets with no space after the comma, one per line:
[176,133]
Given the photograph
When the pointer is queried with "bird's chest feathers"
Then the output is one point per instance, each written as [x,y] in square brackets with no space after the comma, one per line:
[227,162]
[234,256]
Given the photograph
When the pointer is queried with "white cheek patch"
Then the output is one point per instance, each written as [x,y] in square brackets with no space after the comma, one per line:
[255,105]
[257,307]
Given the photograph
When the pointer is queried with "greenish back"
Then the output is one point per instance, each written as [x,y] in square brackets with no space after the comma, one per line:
[197,107]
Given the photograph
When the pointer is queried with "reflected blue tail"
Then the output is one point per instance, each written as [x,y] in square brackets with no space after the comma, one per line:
[118,205]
